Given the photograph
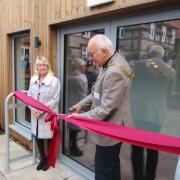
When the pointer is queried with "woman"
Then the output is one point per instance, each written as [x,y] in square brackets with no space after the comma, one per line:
[77,90]
[45,88]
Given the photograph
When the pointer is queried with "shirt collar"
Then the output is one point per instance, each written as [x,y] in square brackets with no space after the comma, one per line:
[47,80]
[107,62]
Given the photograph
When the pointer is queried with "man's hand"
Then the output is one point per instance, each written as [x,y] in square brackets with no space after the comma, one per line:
[75,109]
[73,115]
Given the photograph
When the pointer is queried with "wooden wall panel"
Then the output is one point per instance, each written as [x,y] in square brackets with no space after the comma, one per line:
[68,9]
[15,16]
[63,10]
[1,53]
[71,9]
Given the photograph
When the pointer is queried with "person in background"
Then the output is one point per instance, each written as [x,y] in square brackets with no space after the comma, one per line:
[91,76]
[149,106]
[45,88]
[77,90]
[109,101]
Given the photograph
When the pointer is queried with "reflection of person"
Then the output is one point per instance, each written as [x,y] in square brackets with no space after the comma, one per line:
[45,88]
[109,101]
[25,62]
[26,71]
[91,76]
[77,90]
[149,99]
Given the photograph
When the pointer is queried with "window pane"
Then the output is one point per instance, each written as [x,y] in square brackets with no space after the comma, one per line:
[22,74]
[153,51]
[79,78]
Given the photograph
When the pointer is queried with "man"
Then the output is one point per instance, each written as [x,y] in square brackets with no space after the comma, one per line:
[149,106]
[109,101]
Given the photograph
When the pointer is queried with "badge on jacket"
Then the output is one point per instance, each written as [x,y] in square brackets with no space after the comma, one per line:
[96,95]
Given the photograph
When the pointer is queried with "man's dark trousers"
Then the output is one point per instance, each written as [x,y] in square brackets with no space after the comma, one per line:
[107,162]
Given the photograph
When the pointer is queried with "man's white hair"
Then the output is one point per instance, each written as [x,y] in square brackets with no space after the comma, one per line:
[103,41]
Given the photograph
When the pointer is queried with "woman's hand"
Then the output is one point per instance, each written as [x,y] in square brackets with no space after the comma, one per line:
[36,114]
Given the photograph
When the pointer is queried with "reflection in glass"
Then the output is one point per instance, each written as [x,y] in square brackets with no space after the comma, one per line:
[80,76]
[77,90]
[22,73]
[153,52]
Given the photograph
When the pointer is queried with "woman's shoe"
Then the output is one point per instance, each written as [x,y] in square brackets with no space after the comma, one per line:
[45,165]
[40,165]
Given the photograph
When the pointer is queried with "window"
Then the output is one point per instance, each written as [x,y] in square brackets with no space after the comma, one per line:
[22,73]
[152,50]
[79,78]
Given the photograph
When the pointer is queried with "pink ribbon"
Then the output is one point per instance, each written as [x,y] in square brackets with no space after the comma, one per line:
[133,136]
[55,143]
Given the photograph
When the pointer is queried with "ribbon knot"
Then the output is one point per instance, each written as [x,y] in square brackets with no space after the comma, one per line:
[54,146]
[52,117]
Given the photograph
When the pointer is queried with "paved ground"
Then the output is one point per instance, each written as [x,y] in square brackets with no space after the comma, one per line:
[22,167]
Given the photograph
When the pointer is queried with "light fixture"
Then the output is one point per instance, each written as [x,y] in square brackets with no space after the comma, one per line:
[37,42]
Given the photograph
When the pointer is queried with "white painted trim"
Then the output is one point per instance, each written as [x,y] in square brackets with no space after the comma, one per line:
[92,3]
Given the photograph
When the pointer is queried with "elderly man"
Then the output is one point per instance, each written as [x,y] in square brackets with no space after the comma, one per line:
[109,101]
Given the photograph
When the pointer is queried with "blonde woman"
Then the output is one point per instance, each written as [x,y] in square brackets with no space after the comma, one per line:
[45,88]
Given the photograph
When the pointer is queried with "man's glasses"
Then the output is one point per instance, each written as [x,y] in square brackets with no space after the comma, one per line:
[91,54]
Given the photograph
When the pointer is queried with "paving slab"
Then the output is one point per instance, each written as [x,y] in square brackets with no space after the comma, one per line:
[22,167]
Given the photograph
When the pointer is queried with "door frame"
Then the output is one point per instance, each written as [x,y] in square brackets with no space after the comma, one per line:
[61,72]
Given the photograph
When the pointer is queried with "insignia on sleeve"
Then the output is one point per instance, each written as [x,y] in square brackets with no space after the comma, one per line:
[127,72]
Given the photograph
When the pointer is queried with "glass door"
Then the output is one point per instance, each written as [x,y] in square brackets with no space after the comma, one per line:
[79,76]
[151,45]
[22,74]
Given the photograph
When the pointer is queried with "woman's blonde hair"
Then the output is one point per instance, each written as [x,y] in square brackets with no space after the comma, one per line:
[43,60]
[77,64]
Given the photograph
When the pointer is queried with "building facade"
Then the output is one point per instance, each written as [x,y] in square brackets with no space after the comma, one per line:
[60,30]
